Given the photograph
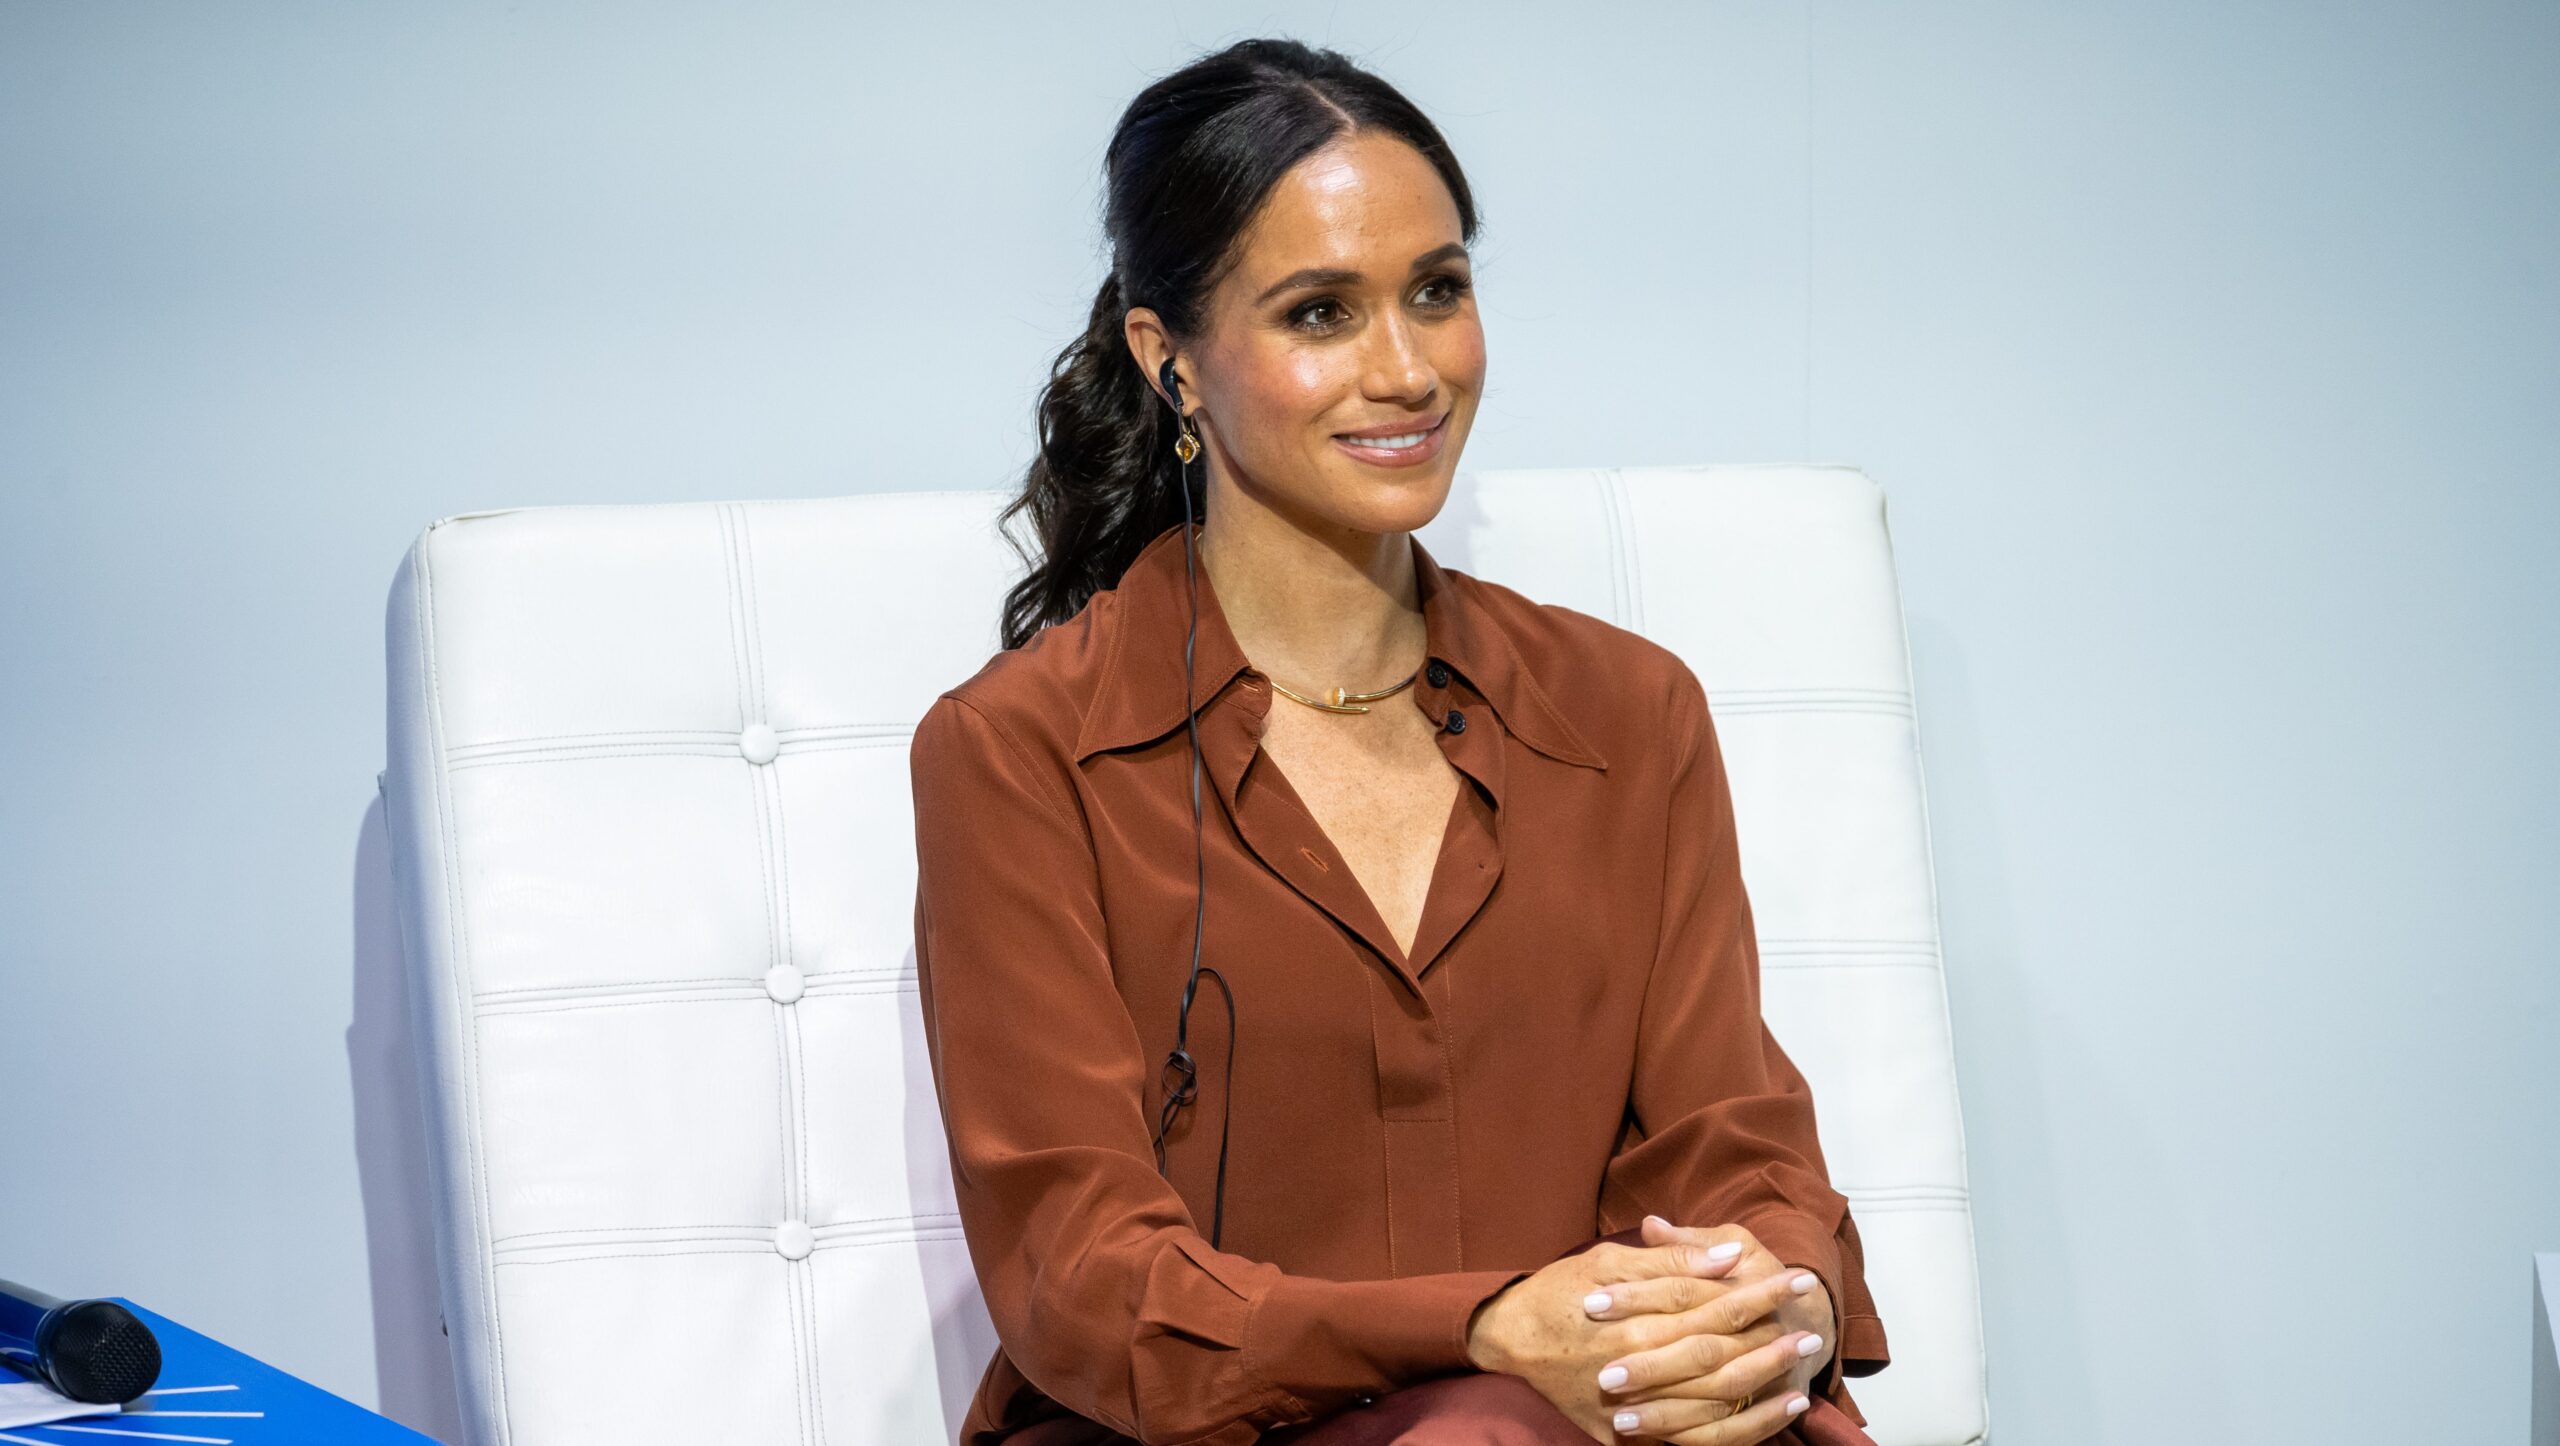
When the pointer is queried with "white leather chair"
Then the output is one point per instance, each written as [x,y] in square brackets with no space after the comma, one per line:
[652,837]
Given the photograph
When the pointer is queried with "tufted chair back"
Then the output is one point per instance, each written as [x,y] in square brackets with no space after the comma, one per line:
[653,852]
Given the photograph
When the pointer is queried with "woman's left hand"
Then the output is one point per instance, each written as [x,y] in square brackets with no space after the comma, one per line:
[1664,1383]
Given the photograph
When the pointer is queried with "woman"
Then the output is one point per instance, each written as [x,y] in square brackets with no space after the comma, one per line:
[1461,866]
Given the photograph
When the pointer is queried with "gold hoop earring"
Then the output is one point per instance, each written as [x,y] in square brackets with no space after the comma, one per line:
[1186,445]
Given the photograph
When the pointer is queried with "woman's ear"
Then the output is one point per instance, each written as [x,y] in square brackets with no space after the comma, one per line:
[1148,342]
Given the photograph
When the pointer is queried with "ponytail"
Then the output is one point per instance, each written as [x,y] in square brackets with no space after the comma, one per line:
[1103,484]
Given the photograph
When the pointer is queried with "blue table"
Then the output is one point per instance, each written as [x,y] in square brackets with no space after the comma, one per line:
[211,1395]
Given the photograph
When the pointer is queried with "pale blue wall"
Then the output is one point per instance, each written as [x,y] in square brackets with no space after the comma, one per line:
[2209,353]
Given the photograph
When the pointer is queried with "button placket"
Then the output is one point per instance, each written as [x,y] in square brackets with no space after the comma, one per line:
[1417,1118]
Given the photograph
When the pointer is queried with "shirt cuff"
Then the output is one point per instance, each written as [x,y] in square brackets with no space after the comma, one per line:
[1322,1344]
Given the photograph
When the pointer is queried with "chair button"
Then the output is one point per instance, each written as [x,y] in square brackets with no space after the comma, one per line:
[793,1240]
[1457,721]
[758,744]
[784,983]
[1437,674]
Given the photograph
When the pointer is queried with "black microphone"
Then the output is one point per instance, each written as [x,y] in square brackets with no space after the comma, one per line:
[90,1350]
[1181,1071]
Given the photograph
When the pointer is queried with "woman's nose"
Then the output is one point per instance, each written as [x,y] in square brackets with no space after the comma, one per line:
[1397,370]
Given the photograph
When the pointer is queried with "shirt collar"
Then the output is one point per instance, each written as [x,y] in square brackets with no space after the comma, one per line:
[1141,696]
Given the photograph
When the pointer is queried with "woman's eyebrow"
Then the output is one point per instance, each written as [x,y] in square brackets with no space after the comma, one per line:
[1336,276]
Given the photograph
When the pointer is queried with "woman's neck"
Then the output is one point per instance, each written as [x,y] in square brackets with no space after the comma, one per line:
[1313,607]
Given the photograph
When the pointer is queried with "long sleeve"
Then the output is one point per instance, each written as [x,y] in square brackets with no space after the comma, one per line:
[1723,1121]
[1103,1293]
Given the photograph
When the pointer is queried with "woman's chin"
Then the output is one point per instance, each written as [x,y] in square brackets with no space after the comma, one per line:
[1400,499]
[1400,507]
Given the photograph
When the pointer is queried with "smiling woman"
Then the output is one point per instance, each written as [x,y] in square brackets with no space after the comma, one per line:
[1370,358]
[1283,213]
[1515,1158]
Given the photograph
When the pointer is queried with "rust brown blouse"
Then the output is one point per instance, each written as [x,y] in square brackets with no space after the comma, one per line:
[1575,1039]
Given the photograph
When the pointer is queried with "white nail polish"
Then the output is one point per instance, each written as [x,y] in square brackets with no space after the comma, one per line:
[1624,1420]
[1810,1345]
[1612,1378]
[1726,1251]
[1804,1282]
[1796,1407]
[1596,1302]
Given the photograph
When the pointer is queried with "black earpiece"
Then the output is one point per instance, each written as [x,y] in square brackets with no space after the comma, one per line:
[1172,383]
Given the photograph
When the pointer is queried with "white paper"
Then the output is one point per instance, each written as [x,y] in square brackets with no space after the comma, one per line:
[32,1403]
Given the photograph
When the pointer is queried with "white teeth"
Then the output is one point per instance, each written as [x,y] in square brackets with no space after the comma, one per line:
[1407,440]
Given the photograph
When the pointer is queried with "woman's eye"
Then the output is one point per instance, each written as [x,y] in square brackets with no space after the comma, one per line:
[1442,292]
[1322,314]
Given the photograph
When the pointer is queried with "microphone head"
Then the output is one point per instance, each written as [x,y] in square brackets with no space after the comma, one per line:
[99,1352]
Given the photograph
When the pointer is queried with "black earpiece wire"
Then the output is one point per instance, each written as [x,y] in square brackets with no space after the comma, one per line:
[1183,1091]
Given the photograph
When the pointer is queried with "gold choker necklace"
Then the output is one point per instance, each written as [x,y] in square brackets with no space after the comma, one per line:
[1337,701]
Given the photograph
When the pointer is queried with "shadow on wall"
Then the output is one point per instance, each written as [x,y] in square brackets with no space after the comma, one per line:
[413,1369]
[2025,1234]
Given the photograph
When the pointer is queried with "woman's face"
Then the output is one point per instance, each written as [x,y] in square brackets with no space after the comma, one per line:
[1340,359]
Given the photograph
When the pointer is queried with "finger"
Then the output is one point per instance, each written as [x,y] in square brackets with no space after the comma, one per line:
[1644,1372]
[1654,1295]
[1740,1377]
[1667,1419]
[1613,1263]
[1747,1301]
[1639,1333]
[1706,1339]
[1658,1231]
[1761,1421]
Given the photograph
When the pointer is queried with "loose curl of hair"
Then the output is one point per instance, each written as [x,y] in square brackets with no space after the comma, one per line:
[1190,163]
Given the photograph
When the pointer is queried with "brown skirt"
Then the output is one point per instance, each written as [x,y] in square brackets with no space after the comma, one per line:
[1477,1408]
[1484,1409]
[1473,1408]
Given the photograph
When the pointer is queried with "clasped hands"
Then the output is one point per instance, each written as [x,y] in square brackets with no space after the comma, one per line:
[1699,1337]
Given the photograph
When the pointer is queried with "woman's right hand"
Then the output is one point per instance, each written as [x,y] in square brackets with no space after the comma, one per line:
[1538,1329]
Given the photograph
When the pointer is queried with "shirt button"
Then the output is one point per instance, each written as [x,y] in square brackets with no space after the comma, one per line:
[1437,673]
[1457,721]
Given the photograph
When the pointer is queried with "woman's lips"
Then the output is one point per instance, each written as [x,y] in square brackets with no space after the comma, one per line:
[1408,449]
